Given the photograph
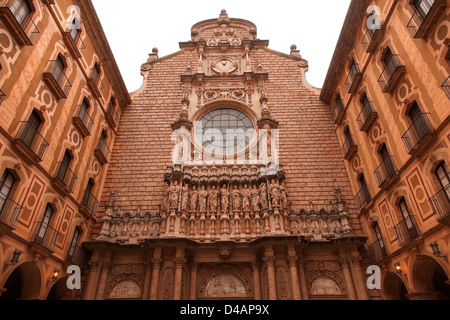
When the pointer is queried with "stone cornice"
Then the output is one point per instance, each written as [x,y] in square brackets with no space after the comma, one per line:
[353,20]
[102,48]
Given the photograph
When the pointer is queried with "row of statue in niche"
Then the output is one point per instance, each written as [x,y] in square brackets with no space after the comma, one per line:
[229,198]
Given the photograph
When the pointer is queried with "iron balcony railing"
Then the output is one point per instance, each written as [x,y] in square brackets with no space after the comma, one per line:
[420,14]
[440,203]
[407,230]
[76,256]
[84,119]
[66,176]
[96,82]
[90,202]
[348,147]
[420,128]
[377,250]
[9,211]
[45,236]
[389,73]
[367,40]
[59,77]
[2,96]
[353,77]
[28,31]
[112,114]
[385,170]
[362,197]
[29,135]
[102,147]
[366,115]
[337,111]
[446,87]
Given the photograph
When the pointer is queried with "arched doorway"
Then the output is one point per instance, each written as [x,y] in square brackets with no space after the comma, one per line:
[24,283]
[394,288]
[59,291]
[430,280]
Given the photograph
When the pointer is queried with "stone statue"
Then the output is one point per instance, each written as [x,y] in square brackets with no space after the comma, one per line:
[236,194]
[213,199]
[274,194]
[174,194]
[165,203]
[255,198]
[184,197]
[202,198]
[246,198]
[194,197]
[224,198]
[263,195]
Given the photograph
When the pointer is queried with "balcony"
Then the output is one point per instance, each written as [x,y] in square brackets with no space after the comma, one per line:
[65,179]
[440,203]
[418,134]
[22,27]
[424,17]
[30,142]
[407,230]
[372,38]
[366,117]
[112,117]
[377,250]
[2,96]
[57,81]
[353,79]
[446,87]
[9,213]
[89,203]
[391,75]
[386,171]
[102,152]
[76,256]
[45,236]
[338,111]
[349,148]
[96,85]
[83,121]
[74,43]
[362,197]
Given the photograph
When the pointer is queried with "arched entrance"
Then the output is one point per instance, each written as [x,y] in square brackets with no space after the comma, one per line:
[394,288]
[430,280]
[59,291]
[24,283]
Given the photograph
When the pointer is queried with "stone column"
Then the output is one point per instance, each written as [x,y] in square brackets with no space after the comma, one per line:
[148,272]
[256,280]
[193,284]
[302,275]
[269,259]
[92,281]
[179,263]
[156,263]
[343,262]
[359,279]
[106,267]
[294,277]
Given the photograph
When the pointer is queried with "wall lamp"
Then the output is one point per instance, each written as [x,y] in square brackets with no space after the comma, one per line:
[15,258]
[398,269]
[434,246]
[55,275]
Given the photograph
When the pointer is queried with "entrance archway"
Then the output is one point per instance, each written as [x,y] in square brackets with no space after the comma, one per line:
[430,280]
[394,288]
[24,283]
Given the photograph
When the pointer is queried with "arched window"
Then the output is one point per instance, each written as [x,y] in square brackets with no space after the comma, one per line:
[21,10]
[7,182]
[380,239]
[95,76]
[44,225]
[74,243]
[423,6]
[443,175]
[88,193]
[64,172]
[75,30]
[406,229]
[31,129]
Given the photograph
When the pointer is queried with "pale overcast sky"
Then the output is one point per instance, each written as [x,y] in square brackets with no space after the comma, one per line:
[134,27]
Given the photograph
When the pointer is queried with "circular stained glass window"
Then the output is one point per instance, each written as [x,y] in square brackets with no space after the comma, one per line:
[224,131]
